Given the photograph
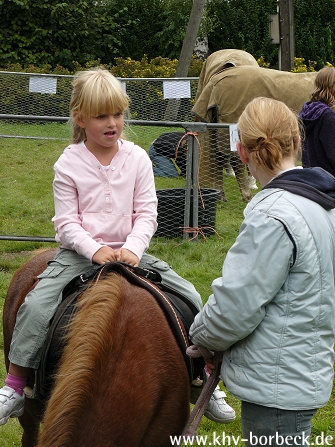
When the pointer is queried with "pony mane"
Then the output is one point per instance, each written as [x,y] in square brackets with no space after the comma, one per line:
[122,380]
[83,360]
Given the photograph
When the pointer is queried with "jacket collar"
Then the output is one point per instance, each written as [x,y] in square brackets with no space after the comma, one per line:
[315,184]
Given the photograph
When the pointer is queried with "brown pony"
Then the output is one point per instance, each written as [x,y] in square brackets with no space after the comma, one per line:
[122,380]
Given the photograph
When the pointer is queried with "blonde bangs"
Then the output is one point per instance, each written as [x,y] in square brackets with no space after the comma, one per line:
[97,93]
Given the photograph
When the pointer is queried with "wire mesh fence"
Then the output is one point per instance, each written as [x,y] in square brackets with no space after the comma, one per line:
[28,95]
[202,187]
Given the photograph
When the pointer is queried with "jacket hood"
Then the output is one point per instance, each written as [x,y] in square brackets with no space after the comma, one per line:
[315,184]
[313,110]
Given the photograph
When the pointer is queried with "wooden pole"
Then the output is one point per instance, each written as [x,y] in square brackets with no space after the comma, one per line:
[190,38]
[172,109]
[287,47]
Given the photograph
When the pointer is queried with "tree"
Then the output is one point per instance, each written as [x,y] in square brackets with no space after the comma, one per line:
[175,18]
[53,32]
[241,24]
[191,33]
[190,38]
[59,32]
[286,20]
[37,31]
[315,30]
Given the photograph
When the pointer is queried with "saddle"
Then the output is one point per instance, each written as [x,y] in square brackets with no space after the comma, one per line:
[177,308]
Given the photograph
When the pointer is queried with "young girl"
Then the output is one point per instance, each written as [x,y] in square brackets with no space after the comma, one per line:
[318,117]
[105,210]
[272,311]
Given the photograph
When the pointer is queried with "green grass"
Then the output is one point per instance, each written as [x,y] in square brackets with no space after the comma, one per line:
[26,208]
[39,130]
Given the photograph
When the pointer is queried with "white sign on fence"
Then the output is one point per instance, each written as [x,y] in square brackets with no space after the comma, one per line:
[41,84]
[233,132]
[176,89]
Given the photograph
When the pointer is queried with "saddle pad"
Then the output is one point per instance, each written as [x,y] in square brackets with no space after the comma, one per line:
[178,309]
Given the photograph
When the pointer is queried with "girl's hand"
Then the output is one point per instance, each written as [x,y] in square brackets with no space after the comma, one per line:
[127,256]
[103,255]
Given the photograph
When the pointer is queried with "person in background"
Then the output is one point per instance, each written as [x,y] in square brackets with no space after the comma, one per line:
[272,311]
[105,210]
[318,118]
[168,154]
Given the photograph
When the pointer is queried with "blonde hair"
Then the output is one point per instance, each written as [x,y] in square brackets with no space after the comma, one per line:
[269,130]
[325,86]
[95,92]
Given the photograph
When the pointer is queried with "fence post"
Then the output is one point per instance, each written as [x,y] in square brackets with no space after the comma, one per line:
[192,178]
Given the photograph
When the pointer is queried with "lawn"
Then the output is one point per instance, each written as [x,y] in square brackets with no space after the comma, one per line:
[26,208]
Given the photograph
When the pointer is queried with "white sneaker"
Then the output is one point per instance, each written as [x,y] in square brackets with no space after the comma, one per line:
[11,404]
[218,410]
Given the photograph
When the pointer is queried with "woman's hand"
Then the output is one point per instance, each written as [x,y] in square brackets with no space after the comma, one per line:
[210,366]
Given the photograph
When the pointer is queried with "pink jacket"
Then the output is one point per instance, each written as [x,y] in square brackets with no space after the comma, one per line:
[94,207]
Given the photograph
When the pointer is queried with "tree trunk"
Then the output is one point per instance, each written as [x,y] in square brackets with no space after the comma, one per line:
[185,57]
[190,38]
[286,21]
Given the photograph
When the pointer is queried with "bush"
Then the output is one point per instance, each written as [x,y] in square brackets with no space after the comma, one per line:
[159,67]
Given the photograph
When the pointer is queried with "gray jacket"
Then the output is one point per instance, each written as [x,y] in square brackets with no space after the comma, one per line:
[273,309]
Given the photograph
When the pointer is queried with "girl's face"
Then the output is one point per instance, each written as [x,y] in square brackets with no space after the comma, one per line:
[103,131]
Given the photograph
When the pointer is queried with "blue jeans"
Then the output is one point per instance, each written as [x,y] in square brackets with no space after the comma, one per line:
[267,426]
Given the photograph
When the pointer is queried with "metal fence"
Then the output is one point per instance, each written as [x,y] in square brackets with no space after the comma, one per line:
[200,184]
[152,99]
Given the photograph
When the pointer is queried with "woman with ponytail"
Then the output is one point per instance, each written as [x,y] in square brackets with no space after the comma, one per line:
[272,311]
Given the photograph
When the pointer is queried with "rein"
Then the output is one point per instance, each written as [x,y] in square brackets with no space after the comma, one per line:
[200,406]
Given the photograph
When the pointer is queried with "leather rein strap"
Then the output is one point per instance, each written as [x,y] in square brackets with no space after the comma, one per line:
[200,406]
